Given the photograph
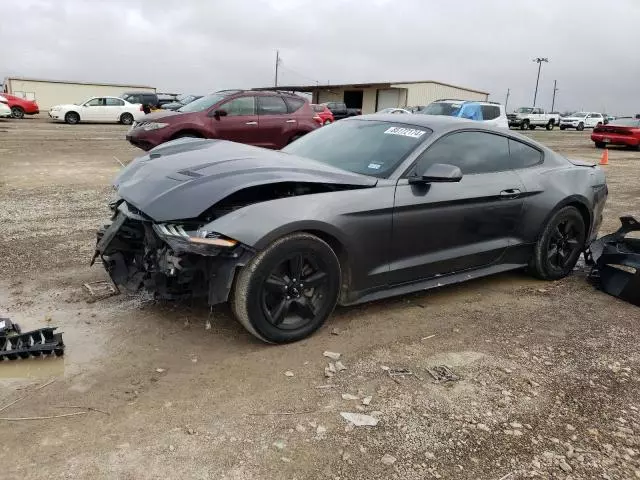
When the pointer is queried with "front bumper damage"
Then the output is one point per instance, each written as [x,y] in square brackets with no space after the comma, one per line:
[616,262]
[167,260]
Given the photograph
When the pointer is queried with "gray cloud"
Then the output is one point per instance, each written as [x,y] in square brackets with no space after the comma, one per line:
[202,46]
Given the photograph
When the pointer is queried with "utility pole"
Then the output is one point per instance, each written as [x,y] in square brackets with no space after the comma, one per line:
[553,102]
[506,101]
[277,64]
[539,61]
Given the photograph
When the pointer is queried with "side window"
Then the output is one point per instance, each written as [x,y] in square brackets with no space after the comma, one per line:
[490,112]
[95,102]
[294,104]
[523,156]
[271,105]
[472,152]
[114,102]
[240,106]
[149,99]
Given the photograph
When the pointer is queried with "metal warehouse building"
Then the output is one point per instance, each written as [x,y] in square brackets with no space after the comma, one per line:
[371,97]
[54,92]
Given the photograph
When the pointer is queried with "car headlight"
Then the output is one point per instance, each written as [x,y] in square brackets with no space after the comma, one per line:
[154,126]
[178,237]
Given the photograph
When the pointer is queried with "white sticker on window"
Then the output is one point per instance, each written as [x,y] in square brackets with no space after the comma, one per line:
[374,166]
[405,132]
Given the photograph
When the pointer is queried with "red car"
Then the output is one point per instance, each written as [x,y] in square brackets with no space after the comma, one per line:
[323,114]
[622,131]
[260,118]
[20,106]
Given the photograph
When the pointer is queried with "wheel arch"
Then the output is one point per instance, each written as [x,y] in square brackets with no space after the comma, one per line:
[187,131]
[577,202]
[73,111]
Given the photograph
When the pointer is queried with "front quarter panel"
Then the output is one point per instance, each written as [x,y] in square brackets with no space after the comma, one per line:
[359,219]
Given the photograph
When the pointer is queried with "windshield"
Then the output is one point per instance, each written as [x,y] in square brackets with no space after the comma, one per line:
[203,103]
[184,99]
[443,108]
[368,147]
[625,122]
[524,110]
[579,114]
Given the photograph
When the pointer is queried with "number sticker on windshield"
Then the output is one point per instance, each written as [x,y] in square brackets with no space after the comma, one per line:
[405,132]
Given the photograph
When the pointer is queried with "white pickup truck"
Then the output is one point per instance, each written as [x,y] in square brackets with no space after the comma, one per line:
[532,117]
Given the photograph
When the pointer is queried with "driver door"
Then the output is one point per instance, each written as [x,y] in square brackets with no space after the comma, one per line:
[240,124]
[443,228]
[94,110]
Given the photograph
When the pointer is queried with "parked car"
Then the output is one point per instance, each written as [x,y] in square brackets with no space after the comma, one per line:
[532,117]
[5,111]
[622,131]
[325,117]
[147,99]
[365,208]
[180,102]
[582,120]
[21,106]
[98,109]
[340,110]
[394,110]
[490,113]
[266,119]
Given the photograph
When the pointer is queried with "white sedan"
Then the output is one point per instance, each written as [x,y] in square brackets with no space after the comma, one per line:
[98,109]
[5,111]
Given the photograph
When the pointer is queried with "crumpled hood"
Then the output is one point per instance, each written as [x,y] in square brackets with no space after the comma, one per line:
[181,179]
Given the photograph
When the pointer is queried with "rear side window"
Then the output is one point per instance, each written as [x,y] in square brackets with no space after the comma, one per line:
[271,106]
[523,156]
[472,152]
[293,104]
[490,112]
[114,102]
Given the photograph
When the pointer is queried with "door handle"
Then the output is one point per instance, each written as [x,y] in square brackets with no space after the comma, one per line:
[290,121]
[251,123]
[510,193]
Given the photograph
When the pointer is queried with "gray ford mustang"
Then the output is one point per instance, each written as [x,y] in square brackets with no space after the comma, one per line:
[363,209]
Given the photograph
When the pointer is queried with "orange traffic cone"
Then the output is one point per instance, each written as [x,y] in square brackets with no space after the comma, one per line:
[605,157]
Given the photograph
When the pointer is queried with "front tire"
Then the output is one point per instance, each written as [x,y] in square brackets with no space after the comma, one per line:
[524,125]
[287,291]
[17,112]
[72,118]
[560,245]
[126,119]
[580,127]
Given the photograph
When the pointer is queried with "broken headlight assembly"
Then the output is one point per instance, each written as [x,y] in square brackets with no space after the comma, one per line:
[203,242]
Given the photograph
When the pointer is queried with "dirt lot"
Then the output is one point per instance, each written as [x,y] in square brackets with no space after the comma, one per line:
[548,372]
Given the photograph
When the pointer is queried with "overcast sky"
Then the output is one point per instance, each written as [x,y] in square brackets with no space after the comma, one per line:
[204,45]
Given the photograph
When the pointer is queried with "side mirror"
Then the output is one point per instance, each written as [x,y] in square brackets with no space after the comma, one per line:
[218,113]
[437,173]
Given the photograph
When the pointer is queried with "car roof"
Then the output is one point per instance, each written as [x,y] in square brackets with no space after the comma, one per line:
[433,122]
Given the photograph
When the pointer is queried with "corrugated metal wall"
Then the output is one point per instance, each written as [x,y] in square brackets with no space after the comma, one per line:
[48,94]
[425,93]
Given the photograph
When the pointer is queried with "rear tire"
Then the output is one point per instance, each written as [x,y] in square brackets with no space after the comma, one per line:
[580,127]
[126,119]
[550,125]
[72,118]
[560,245]
[274,305]
[17,112]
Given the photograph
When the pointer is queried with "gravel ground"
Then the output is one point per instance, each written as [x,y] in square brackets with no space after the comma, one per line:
[547,372]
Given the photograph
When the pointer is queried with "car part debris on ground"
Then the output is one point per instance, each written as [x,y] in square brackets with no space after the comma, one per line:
[442,374]
[616,262]
[15,344]
[100,290]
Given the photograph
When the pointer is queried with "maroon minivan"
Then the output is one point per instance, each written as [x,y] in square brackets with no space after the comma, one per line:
[260,118]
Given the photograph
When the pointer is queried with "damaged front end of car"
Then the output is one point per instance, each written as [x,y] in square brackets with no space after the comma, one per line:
[171,260]
[616,262]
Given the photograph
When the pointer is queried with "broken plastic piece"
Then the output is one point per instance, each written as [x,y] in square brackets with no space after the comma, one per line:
[14,344]
[442,374]
[617,262]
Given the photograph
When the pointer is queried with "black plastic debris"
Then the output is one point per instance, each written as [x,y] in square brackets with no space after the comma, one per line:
[442,374]
[15,344]
[616,262]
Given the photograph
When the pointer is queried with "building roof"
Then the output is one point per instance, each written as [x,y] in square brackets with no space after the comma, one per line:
[311,88]
[72,82]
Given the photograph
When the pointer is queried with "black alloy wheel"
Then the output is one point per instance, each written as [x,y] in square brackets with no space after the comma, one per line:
[288,290]
[17,112]
[292,294]
[560,245]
